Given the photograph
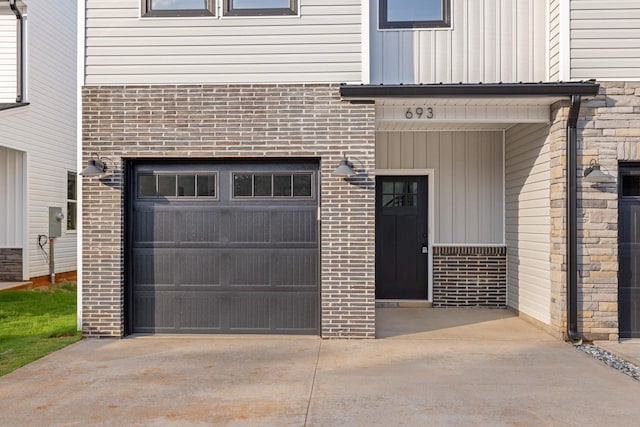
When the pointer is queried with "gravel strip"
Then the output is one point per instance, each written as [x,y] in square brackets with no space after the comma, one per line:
[612,360]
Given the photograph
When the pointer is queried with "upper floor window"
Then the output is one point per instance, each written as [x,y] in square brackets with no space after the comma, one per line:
[72,200]
[415,13]
[260,7]
[178,7]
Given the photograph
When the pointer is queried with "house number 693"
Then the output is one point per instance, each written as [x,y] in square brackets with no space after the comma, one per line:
[419,113]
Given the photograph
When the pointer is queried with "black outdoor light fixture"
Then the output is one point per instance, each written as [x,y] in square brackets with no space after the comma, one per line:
[95,166]
[593,173]
[345,168]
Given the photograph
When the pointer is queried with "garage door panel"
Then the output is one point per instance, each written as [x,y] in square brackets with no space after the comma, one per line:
[295,226]
[200,225]
[154,225]
[250,269]
[153,267]
[168,311]
[250,227]
[299,270]
[296,312]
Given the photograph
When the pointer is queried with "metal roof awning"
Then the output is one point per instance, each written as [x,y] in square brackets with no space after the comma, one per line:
[10,105]
[469,90]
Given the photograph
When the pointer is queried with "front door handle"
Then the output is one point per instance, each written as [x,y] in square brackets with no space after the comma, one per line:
[425,248]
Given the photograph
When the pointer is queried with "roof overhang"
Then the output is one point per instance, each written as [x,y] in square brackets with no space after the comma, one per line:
[464,90]
[463,106]
[10,105]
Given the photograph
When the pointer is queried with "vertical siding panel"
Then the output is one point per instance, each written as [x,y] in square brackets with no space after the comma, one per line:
[445,165]
[433,162]
[406,150]
[458,44]
[382,142]
[498,181]
[459,186]
[394,150]
[420,150]
[476,142]
[490,33]
[391,65]
[474,41]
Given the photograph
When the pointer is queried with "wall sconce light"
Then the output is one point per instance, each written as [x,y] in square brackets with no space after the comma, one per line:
[593,173]
[345,168]
[95,166]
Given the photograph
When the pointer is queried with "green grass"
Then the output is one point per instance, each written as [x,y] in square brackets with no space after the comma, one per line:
[34,323]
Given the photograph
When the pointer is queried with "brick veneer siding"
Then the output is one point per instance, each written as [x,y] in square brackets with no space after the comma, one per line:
[470,277]
[233,121]
[608,131]
[10,265]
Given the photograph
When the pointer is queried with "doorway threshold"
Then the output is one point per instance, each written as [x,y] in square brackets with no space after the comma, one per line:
[403,303]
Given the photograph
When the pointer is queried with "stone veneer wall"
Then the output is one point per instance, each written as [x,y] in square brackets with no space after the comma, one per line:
[10,265]
[233,121]
[470,277]
[608,131]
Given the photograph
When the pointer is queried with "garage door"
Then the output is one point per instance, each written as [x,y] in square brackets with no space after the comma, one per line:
[223,248]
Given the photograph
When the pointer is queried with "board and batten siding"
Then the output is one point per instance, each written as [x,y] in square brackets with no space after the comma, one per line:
[46,129]
[8,52]
[528,224]
[490,41]
[605,39]
[467,183]
[554,40]
[322,45]
[12,193]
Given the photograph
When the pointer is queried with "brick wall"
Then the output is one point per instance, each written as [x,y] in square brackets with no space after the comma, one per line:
[233,121]
[470,277]
[10,265]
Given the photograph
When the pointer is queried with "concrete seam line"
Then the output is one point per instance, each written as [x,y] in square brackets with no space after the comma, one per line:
[313,384]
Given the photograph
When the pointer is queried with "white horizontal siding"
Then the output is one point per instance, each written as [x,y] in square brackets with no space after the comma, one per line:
[46,129]
[323,44]
[7,56]
[605,39]
[528,227]
[490,41]
[468,179]
[12,194]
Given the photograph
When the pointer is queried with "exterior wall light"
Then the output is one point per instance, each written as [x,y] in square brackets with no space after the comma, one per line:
[593,174]
[95,166]
[345,169]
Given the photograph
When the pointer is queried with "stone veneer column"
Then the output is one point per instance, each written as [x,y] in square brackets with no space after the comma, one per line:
[233,121]
[609,132]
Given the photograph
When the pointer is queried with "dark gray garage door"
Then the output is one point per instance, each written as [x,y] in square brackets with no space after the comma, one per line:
[629,251]
[223,248]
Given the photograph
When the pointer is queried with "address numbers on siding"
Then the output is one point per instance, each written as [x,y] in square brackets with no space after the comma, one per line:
[419,113]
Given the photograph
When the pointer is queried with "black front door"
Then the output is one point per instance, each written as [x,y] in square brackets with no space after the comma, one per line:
[629,251]
[401,237]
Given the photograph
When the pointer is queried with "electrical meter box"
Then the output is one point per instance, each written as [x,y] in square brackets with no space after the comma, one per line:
[55,222]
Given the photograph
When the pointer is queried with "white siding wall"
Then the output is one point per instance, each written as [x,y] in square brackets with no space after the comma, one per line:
[468,180]
[323,44]
[490,41]
[7,55]
[528,228]
[12,194]
[605,39]
[554,40]
[46,129]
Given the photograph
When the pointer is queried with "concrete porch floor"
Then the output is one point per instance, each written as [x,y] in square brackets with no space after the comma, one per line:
[430,367]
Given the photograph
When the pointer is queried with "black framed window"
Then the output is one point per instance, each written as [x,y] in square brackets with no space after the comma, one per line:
[72,201]
[415,14]
[178,8]
[260,7]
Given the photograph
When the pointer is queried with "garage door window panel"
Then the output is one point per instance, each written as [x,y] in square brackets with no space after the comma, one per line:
[272,185]
[171,186]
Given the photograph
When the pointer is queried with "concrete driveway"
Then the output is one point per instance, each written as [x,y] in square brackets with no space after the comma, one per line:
[431,367]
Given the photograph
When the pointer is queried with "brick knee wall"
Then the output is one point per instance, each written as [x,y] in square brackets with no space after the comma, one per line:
[470,277]
[10,265]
